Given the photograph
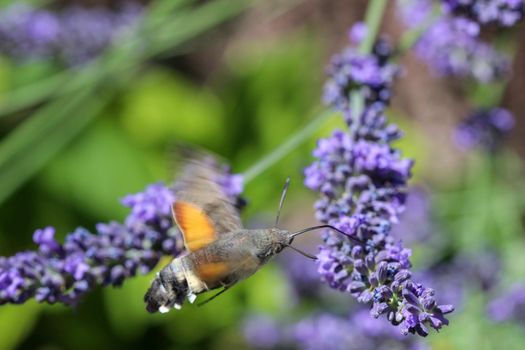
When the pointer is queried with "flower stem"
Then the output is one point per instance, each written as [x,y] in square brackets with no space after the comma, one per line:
[293,142]
[373,17]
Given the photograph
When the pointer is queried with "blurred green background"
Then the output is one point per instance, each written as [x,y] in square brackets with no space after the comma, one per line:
[76,140]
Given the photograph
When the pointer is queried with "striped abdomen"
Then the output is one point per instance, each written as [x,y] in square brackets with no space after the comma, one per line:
[172,285]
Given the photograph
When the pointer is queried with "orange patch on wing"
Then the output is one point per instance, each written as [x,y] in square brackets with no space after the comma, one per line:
[194,224]
[212,272]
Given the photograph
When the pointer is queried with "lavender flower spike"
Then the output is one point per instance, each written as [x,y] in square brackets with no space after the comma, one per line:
[510,306]
[328,331]
[503,12]
[362,183]
[73,35]
[370,75]
[64,272]
[451,45]
[484,129]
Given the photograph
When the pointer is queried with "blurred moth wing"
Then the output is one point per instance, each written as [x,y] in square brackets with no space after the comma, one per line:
[196,227]
[198,187]
[203,213]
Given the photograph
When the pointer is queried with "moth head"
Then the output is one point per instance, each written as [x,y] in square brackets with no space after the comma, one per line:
[271,242]
[279,239]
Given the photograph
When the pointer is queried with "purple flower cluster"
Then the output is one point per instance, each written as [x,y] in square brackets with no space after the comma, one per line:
[415,223]
[263,332]
[503,12]
[64,272]
[484,129]
[362,181]
[74,35]
[451,45]
[327,331]
[304,279]
[452,51]
[510,306]
[350,71]
[453,278]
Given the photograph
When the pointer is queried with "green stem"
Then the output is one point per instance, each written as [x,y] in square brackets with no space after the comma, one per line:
[373,17]
[285,148]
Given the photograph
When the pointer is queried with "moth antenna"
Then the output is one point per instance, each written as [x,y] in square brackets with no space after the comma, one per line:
[283,196]
[309,256]
[293,234]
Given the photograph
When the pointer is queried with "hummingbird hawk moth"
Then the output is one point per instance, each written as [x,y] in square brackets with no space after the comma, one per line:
[219,251]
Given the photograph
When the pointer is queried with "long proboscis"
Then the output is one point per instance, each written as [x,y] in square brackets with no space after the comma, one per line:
[308,229]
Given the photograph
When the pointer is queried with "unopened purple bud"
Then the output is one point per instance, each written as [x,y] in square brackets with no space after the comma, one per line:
[429,303]
[359,265]
[445,309]
[358,32]
[378,309]
[365,297]
[410,297]
[381,272]
[46,241]
[356,287]
[403,275]
[117,275]
[369,261]
[357,251]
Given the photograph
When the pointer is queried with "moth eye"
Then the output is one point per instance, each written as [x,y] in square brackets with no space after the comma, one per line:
[264,255]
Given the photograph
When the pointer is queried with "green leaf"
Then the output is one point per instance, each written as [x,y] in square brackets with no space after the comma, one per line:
[268,290]
[125,307]
[163,107]
[99,168]
[16,323]
[29,147]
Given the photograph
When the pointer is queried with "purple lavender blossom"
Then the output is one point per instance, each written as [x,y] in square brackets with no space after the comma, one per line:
[415,223]
[362,183]
[483,268]
[303,276]
[503,12]
[328,331]
[451,46]
[26,32]
[231,184]
[263,332]
[357,33]
[484,129]
[64,272]
[510,306]
[448,280]
[451,51]
[74,35]
[415,13]
[349,71]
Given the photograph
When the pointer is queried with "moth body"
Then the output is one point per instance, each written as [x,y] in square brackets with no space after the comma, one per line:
[231,258]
